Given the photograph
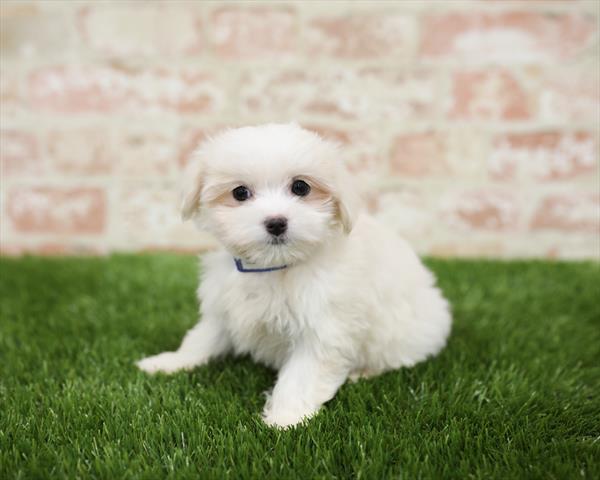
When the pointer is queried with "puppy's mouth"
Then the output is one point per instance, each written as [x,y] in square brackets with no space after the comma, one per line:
[278,240]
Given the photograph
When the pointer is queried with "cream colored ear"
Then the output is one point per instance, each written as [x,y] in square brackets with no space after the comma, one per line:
[192,188]
[346,217]
[347,200]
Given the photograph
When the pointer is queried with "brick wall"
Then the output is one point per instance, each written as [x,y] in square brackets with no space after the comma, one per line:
[473,122]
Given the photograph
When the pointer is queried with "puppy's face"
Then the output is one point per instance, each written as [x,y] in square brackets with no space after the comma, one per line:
[271,194]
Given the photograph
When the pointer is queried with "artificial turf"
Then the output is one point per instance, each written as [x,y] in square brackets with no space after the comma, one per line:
[516,394]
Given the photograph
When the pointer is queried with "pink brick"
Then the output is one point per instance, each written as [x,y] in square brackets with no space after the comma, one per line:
[507,36]
[489,95]
[48,248]
[19,153]
[481,210]
[19,9]
[81,151]
[409,212]
[340,94]
[191,138]
[150,216]
[98,151]
[32,31]
[362,35]
[149,211]
[575,212]
[570,93]
[240,32]
[419,154]
[183,92]
[80,89]
[141,153]
[10,96]
[330,133]
[577,247]
[141,29]
[460,248]
[360,149]
[57,210]
[543,156]
[438,153]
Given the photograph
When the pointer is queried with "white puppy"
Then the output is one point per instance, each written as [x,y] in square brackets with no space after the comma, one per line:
[305,283]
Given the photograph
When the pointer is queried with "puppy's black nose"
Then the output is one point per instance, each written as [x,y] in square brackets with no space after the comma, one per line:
[276,225]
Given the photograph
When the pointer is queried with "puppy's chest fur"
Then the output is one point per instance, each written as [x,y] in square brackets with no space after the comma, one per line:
[266,313]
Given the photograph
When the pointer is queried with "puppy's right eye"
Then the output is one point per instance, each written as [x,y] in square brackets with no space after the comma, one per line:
[241,193]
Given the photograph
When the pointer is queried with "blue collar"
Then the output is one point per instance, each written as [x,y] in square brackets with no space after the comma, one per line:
[241,268]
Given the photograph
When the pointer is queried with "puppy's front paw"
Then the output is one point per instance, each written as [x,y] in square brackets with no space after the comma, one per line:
[285,418]
[166,362]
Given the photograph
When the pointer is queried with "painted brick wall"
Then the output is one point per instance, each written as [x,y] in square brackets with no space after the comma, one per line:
[474,123]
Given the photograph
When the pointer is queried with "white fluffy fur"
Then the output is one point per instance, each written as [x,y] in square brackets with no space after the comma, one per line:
[354,301]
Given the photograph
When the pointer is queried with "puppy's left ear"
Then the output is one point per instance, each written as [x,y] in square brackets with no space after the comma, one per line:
[192,187]
[347,199]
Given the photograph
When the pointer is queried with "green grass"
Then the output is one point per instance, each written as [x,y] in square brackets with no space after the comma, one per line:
[516,394]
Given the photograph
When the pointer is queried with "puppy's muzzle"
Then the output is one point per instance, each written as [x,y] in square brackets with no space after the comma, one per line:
[276,226]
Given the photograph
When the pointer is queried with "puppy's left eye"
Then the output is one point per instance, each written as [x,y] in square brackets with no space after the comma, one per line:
[300,188]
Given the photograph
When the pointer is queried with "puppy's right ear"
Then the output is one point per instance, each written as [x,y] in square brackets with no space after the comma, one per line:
[192,187]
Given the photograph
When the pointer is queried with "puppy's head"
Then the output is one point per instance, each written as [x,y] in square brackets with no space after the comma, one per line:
[271,194]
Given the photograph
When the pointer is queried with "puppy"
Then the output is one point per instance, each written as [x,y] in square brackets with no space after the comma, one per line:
[305,283]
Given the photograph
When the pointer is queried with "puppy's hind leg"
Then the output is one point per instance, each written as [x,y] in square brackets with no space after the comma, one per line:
[205,341]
